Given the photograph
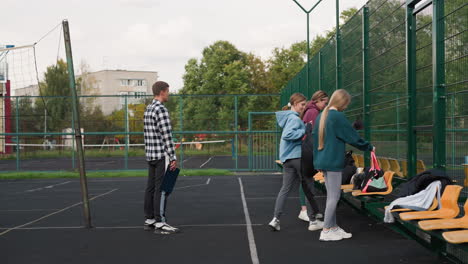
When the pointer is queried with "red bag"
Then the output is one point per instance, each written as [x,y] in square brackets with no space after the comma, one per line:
[376,182]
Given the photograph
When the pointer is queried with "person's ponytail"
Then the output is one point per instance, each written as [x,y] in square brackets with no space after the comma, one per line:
[286,107]
[323,121]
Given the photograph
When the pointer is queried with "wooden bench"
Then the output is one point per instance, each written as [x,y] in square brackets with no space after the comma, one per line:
[395,167]
[456,237]
[420,167]
[388,176]
[384,164]
[356,161]
[448,202]
[446,223]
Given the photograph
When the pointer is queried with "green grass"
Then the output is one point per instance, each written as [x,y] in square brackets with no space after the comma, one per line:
[106,174]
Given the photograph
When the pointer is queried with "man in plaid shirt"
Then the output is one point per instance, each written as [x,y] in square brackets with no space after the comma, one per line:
[158,146]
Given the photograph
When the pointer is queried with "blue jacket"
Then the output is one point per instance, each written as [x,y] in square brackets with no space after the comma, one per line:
[291,138]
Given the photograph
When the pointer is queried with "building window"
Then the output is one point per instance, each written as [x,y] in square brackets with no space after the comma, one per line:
[132,82]
[125,82]
[139,82]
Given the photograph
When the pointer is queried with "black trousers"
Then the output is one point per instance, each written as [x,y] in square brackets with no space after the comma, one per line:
[155,200]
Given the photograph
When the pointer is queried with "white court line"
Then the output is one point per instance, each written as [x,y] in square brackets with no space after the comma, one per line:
[274,197]
[206,162]
[47,187]
[46,227]
[51,214]
[143,178]
[181,226]
[207,182]
[28,210]
[250,235]
[25,181]
[125,227]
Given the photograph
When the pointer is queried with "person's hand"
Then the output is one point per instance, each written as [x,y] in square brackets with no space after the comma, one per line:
[173,165]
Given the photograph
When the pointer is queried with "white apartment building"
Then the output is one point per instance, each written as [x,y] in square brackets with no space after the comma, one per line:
[31,90]
[137,84]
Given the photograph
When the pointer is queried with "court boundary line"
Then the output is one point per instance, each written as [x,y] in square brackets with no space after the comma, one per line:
[123,227]
[188,186]
[274,197]
[250,234]
[206,162]
[53,213]
[47,187]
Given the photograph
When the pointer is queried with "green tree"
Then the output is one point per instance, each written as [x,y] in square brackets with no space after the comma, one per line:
[57,97]
[28,115]
[222,70]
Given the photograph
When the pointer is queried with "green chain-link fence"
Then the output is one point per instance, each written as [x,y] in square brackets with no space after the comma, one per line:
[210,131]
[405,65]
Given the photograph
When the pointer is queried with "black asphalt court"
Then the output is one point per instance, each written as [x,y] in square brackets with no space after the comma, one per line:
[223,219]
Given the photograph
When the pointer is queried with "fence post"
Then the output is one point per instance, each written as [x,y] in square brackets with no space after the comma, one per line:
[365,80]
[438,80]
[17,135]
[181,121]
[411,87]
[127,136]
[250,152]
[236,124]
[338,47]
[320,75]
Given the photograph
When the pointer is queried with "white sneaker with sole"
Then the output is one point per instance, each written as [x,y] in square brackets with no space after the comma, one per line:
[303,216]
[315,225]
[165,229]
[275,224]
[343,233]
[149,224]
[330,235]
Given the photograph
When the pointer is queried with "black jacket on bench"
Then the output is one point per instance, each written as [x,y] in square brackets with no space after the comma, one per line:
[422,180]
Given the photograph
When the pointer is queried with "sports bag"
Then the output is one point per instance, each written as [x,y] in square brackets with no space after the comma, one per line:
[376,181]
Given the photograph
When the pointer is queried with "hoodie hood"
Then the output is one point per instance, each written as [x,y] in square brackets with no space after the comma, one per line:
[311,105]
[282,117]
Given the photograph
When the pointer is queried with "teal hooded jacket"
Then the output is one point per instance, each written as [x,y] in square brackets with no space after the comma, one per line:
[291,138]
[338,132]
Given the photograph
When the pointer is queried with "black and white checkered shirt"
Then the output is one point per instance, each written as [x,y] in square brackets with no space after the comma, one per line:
[158,132]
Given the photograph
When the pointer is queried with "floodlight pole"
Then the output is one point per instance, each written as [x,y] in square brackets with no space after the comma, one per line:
[308,42]
[76,118]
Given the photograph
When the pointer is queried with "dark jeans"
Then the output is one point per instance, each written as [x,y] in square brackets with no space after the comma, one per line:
[155,200]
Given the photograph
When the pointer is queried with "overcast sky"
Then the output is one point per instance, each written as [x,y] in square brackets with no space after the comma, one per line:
[156,35]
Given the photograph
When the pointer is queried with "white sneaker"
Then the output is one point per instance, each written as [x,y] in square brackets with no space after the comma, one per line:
[315,225]
[303,216]
[319,216]
[343,233]
[149,224]
[275,224]
[165,229]
[330,235]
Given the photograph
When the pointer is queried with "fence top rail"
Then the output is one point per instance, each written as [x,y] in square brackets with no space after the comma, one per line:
[141,96]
